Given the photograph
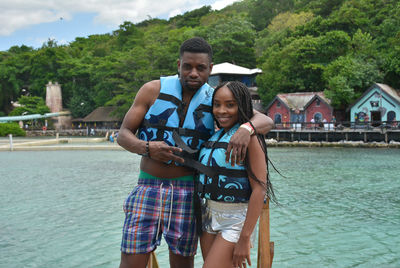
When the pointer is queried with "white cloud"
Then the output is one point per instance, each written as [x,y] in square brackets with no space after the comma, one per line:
[19,14]
[220,4]
[14,19]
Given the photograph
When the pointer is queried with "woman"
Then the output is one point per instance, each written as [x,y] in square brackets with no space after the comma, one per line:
[233,194]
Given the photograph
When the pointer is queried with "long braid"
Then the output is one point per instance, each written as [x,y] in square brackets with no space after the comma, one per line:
[245,108]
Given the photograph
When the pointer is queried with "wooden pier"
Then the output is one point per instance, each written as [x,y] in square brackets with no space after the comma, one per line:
[365,135]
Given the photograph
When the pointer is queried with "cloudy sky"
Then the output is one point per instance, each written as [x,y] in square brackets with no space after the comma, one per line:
[33,22]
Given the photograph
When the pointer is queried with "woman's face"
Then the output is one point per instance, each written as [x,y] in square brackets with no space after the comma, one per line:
[225,108]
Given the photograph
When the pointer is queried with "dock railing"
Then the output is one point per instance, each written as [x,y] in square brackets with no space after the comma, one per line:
[333,125]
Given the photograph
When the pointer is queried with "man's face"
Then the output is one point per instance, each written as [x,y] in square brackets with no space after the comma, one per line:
[194,70]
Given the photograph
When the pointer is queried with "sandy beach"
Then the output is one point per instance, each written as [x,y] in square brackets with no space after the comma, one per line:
[52,144]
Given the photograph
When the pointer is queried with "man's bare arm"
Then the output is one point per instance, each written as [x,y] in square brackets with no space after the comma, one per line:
[133,119]
[262,123]
[237,147]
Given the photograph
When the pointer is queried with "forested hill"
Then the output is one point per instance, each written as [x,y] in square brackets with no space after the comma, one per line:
[339,46]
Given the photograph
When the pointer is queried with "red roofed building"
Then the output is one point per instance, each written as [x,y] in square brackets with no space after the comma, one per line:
[300,108]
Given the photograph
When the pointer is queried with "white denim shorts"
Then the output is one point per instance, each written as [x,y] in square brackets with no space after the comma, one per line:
[225,218]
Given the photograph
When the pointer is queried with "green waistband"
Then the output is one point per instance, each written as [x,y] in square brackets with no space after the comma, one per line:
[145,175]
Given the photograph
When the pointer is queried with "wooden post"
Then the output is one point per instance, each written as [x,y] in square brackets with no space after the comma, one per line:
[365,137]
[265,252]
[11,142]
[153,263]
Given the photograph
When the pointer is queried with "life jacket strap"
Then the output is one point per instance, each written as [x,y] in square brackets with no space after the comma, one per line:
[201,109]
[174,100]
[198,113]
[210,171]
[170,98]
[181,131]
[215,144]
[216,192]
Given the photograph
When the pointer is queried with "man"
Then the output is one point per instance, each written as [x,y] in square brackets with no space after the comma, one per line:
[162,202]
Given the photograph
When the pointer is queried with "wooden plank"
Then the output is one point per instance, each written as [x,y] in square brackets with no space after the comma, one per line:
[265,247]
[153,263]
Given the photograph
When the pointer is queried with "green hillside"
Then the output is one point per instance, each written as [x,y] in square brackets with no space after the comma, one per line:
[339,46]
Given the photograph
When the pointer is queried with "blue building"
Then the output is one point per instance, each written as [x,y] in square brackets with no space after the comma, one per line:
[380,103]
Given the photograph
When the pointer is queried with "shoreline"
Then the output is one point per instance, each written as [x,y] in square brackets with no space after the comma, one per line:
[98,143]
[337,144]
[55,144]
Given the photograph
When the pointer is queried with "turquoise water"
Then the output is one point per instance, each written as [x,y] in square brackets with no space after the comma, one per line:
[339,207]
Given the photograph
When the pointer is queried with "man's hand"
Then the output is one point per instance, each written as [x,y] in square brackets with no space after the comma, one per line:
[237,146]
[160,151]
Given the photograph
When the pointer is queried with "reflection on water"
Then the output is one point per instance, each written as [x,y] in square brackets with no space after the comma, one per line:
[339,207]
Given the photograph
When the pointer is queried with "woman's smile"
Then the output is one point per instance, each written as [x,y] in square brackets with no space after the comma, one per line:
[225,108]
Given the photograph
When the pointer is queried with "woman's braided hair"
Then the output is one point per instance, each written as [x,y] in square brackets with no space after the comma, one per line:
[245,108]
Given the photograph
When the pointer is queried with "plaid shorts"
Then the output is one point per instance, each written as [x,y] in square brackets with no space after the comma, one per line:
[160,207]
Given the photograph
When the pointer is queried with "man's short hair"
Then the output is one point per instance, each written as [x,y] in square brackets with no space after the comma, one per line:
[196,45]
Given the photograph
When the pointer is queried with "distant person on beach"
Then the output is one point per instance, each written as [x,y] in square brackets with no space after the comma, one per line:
[112,137]
[162,202]
[233,193]
[333,122]
[312,123]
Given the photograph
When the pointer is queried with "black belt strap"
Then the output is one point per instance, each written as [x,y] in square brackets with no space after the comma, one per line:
[215,144]
[201,109]
[171,98]
[181,131]
[181,144]
[210,171]
[215,192]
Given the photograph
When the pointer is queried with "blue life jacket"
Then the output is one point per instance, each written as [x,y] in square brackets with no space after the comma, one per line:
[162,119]
[218,180]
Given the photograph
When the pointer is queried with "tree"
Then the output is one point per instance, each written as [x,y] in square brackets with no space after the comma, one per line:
[280,28]
[301,45]
[128,35]
[261,12]
[190,18]
[232,40]
[80,105]
[320,7]
[44,66]
[14,75]
[348,77]
[30,105]
[298,66]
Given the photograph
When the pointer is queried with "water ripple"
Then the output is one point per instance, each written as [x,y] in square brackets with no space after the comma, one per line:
[339,207]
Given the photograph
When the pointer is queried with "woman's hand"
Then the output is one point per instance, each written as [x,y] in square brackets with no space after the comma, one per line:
[241,253]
